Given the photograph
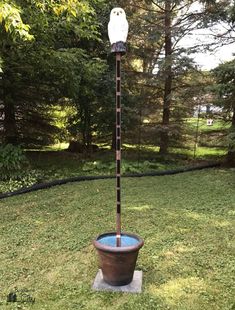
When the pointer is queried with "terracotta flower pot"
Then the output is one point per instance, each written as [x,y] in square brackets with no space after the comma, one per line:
[118,263]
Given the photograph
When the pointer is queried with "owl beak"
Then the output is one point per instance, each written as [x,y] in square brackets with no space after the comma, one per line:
[118,14]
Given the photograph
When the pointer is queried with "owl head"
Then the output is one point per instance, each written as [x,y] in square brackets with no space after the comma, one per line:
[117,13]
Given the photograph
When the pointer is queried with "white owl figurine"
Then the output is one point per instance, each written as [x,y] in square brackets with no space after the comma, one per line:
[118,26]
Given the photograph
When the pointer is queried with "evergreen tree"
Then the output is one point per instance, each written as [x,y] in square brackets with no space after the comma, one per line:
[225,89]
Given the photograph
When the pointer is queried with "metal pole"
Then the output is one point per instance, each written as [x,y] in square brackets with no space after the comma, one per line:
[118,147]
[197,132]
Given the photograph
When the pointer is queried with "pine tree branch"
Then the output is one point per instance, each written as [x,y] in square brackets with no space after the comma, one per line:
[144,8]
[158,6]
[191,15]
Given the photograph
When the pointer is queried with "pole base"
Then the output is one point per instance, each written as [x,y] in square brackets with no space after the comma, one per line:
[119,47]
[134,287]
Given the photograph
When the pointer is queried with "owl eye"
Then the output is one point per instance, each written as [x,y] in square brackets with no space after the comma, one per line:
[120,12]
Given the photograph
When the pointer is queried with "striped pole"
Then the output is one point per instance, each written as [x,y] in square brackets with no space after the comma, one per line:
[118,147]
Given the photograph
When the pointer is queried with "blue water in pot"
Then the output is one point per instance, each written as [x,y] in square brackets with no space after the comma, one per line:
[110,240]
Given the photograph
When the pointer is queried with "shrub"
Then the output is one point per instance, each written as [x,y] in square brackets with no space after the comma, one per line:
[231,140]
[24,179]
[12,161]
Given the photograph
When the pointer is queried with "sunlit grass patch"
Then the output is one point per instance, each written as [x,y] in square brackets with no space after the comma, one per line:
[206,151]
[201,152]
[218,124]
[180,289]
[139,208]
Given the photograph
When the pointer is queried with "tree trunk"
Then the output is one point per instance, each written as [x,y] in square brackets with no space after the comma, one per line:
[86,128]
[9,122]
[10,134]
[230,159]
[164,137]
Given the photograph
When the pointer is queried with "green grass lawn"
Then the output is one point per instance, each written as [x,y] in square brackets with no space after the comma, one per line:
[186,220]
[61,164]
[218,124]
[47,165]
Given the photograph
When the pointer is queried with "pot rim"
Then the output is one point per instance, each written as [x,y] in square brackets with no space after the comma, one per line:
[111,249]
